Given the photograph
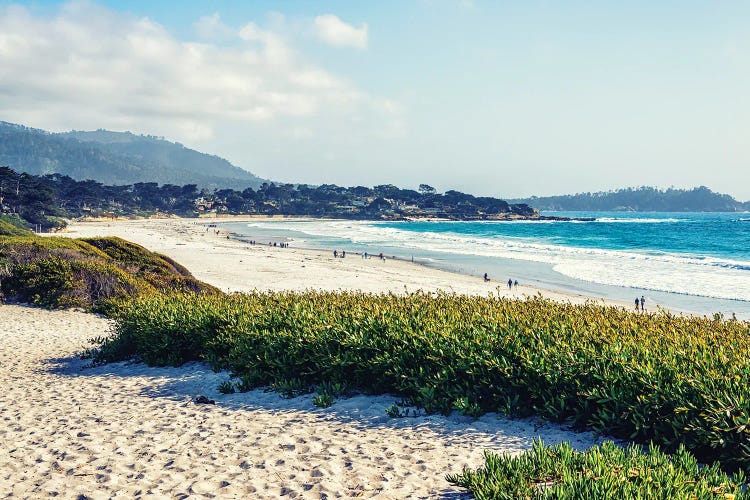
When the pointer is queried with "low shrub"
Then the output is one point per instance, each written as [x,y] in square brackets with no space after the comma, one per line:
[605,472]
[13,226]
[96,274]
[134,257]
[47,282]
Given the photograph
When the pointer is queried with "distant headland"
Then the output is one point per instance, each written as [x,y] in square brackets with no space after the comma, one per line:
[641,199]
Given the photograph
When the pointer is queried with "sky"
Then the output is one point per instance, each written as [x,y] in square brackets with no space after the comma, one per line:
[497,98]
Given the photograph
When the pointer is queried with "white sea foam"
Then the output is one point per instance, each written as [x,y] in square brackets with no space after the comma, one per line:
[639,220]
[670,272]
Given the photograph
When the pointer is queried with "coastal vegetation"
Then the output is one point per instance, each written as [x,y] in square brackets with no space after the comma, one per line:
[650,377]
[92,273]
[13,226]
[46,201]
[603,472]
[642,199]
[676,382]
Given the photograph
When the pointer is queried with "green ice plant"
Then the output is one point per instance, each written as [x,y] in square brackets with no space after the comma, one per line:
[605,472]
[226,387]
[654,377]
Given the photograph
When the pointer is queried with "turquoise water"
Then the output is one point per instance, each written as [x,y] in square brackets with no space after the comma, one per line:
[697,262]
[697,234]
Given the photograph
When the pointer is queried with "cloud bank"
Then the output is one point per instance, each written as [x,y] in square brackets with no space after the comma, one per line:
[88,67]
[334,31]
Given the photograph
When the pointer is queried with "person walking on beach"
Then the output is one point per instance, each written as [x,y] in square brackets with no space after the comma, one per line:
[643,303]
[515,284]
[636,303]
[510,283]
[486,278]
[335,253]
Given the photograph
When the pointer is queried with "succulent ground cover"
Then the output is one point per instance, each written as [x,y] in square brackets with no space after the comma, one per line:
[603,472]
[642,377]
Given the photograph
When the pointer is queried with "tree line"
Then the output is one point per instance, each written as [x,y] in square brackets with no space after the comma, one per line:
[46,201]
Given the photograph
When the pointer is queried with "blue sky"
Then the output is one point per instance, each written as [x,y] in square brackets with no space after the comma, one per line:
[497,98]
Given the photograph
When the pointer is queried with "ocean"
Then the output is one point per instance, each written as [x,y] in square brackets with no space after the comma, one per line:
[695,262]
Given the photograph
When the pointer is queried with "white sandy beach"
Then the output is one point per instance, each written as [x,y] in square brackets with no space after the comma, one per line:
[128,430]
[235,266]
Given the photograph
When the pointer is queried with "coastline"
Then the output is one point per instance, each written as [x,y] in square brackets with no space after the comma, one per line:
[234,265]
[132,430]
[126,429]
[606,273]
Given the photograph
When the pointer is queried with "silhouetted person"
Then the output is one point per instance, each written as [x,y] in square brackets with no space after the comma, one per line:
[637,302]
[643,303]
[486,278]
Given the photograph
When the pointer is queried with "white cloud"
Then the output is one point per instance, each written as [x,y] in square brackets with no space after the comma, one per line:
[88,67]
[334,31]
[212,28]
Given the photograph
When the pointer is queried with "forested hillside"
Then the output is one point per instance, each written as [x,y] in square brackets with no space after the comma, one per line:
[116,158]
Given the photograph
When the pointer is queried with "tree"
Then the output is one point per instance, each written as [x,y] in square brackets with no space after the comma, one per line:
[426,189]
[386,191]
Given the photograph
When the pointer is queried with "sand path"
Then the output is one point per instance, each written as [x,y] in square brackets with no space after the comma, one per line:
[127,430]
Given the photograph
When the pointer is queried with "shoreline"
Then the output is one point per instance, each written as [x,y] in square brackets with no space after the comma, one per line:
[126,429]
[234,265]
[228,264]
[539,275]
[133,430]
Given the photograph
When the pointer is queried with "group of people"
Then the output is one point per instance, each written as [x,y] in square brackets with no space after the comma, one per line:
[640,302]
[337,254]
[278,244]
[380,256]
[511,282]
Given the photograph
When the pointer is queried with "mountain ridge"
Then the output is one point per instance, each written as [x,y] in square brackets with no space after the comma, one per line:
[116,158]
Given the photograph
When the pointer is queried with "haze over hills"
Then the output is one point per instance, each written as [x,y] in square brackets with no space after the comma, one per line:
[641,199]
[123,158]
[116,158]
